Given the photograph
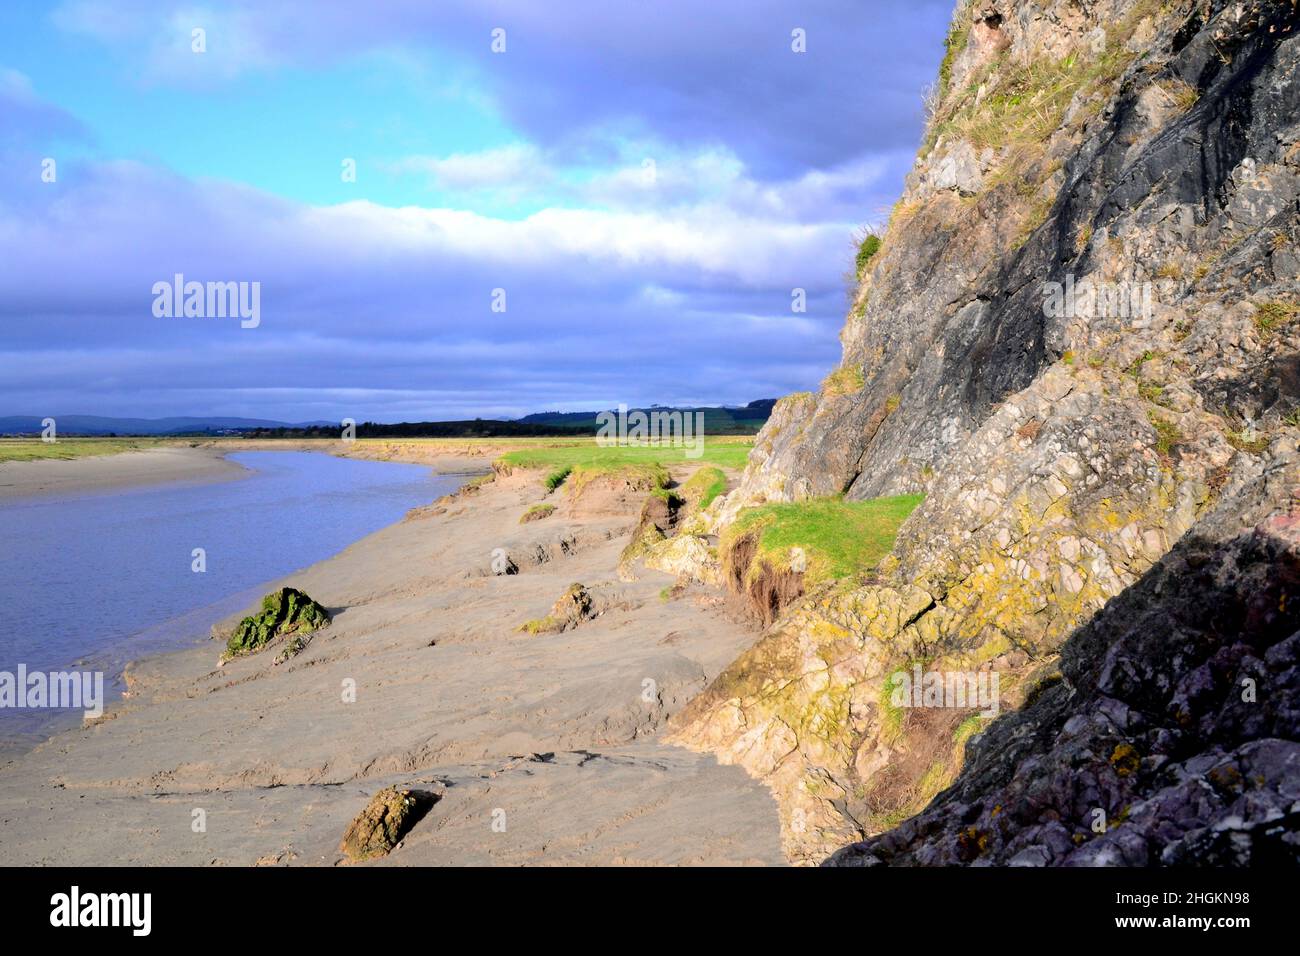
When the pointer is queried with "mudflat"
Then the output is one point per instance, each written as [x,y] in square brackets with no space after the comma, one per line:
[44,476]
[539,749]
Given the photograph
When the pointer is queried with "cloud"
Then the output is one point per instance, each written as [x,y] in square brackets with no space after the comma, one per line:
[387,313]
[676,172]
[513,166]
[658,177]
[722,73]
[28,120]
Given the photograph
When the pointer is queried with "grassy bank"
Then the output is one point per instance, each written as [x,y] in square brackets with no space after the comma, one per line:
[721,451]
[826,538]
[33,449]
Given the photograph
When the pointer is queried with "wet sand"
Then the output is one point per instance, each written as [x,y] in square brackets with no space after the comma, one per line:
[96,473]
[542,749]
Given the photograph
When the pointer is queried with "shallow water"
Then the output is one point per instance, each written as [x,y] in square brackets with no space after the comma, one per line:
[94,580]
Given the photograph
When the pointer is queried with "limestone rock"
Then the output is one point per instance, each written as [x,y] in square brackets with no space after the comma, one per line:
[1084,349]
[378,828]
[686,555]
[1172,738]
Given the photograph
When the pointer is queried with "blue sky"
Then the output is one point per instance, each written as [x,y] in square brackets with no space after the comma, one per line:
[647,183]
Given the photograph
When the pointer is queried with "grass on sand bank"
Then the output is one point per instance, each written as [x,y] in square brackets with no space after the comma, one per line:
[723,451]
[704,486]
[644,475]
[32,449]
[837,538]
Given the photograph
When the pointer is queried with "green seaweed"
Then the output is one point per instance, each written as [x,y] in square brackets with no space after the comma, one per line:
[286,611]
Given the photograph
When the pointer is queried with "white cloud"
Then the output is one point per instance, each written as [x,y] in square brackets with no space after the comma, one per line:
[516,166]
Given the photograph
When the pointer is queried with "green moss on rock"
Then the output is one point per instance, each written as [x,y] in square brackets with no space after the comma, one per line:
[286,611]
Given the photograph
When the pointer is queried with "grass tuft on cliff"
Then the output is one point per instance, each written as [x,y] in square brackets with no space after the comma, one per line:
[1021,104]
[867,249]
[835,538]
[845,380]
[1271,317]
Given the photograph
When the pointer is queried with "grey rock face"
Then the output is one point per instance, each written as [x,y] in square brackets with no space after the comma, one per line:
[1183,174]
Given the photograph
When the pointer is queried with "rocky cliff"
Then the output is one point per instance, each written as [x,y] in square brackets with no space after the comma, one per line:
[1078,339]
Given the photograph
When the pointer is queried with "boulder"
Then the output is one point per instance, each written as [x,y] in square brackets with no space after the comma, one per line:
[387,818]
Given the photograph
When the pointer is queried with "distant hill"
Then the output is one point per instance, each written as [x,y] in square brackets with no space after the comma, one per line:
[723,420]
[478,428]
[99,425]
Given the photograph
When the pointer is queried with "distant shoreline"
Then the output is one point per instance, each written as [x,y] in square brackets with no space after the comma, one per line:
[162,465]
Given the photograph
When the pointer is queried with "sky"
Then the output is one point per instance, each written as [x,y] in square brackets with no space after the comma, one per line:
[468,208]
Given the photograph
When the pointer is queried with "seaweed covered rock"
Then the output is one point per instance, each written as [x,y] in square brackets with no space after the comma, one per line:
[574,606]
[286,611]
[388,817]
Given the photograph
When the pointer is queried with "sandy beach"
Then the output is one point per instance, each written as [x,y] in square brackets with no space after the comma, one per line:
[541,749]
[178,463]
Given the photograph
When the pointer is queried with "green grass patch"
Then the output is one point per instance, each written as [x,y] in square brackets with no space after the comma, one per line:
[704,486]
[537,513]
[953,46]
[1167,434]
[1250,440]
[646,475]
[33,449]
[557,478]
[721,451]
[837,538]
[867,249]
[967,729]
[1135,369]
[891,714]
[845,380]
[1152,392]
[1272,316]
